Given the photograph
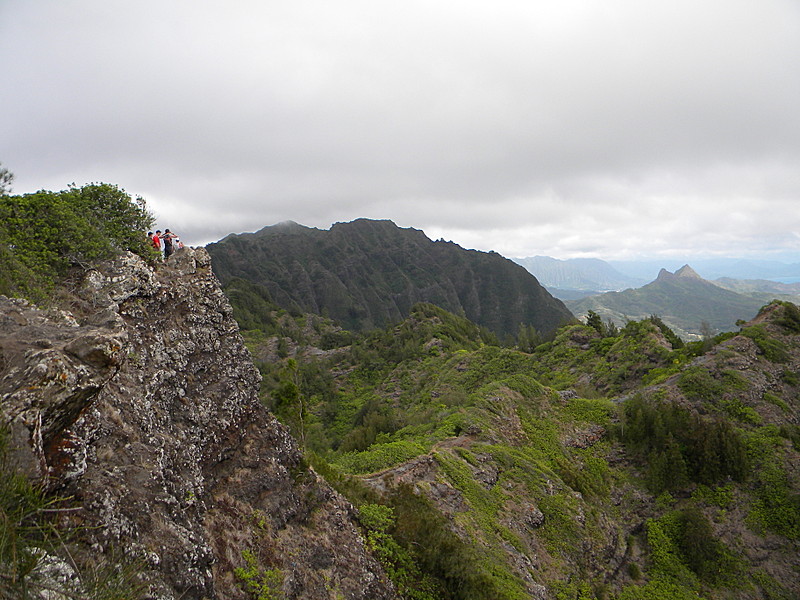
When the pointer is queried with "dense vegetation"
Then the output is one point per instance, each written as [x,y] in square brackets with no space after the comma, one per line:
[507,465]
[681,446]
[44,234]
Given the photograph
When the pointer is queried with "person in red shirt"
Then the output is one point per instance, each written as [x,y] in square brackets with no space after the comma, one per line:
[156,240]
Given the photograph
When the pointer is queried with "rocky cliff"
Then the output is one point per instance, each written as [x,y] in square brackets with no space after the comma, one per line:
[140,404]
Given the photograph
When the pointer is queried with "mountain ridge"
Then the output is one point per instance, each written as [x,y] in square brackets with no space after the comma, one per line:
[475,472]
[141,458]
[368,273]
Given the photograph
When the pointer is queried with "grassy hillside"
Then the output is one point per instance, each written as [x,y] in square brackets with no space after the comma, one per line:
[604,464]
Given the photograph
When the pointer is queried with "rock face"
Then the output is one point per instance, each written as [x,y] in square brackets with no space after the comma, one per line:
[141,404]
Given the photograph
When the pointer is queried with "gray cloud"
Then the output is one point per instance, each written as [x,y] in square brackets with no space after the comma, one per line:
[564,128]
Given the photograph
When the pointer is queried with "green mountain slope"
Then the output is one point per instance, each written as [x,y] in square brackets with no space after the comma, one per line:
[502,474]
[682,299]
[368,274]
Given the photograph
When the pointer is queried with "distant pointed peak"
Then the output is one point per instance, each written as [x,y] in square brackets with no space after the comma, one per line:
[687,271]
[663,274]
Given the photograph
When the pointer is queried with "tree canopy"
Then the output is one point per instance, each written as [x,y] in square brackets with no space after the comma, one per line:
[44,233]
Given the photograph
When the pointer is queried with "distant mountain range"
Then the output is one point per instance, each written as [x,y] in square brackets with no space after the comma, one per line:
[683,300]
[572,278]
[368,274]
[715,268]
[578,274]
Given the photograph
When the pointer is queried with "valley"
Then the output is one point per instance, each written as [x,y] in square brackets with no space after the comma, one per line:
[561,467]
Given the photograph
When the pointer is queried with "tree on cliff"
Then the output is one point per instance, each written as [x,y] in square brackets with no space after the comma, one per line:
[6,177]
[45,233]
[594,321]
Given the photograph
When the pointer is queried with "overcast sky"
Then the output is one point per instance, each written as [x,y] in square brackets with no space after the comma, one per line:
[607,128]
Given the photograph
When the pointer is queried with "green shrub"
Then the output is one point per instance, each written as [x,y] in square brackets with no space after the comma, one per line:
[376,517]
[704,554]
[790,317]
[45,233]
[665,553]
[685,557]
[667,469]
[790,377]
[792,433]
[397,561]
[776,506]
[381,456]
[589,476]
[698,384]
[718,496]
[659,374]
[737,409]
[464,572]
[260,584]
[734,380]
[773,399]
[670,335]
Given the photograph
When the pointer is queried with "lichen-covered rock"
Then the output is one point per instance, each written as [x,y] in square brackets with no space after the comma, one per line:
[143,407]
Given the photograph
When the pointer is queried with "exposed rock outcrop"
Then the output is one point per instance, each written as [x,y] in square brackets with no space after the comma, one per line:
[141,404]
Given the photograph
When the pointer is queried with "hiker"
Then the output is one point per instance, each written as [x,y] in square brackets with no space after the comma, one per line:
[168,238]
[155,239]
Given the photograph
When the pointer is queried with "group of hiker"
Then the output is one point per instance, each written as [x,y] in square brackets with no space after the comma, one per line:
[166,243]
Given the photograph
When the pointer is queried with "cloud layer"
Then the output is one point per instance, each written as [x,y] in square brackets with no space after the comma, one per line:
[570,128]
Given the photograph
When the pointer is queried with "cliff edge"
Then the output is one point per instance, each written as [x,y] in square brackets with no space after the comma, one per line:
[140,403]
